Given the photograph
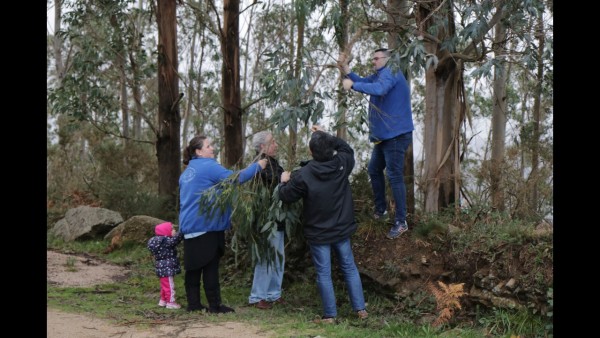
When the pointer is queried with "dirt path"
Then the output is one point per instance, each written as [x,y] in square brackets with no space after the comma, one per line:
[69,325]
[72,270]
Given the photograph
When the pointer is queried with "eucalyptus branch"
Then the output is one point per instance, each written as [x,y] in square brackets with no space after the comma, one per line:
[206,20]
[99,127]
[253,102]
[214,8]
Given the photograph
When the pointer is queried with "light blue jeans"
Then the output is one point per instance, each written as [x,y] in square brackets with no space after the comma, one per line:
[389,155]
[267,279]
[321,257]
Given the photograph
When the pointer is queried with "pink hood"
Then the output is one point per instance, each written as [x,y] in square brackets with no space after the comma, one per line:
[164,229]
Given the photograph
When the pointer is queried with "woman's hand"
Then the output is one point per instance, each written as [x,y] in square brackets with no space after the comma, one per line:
[263,163]
[285,176]
[316,127]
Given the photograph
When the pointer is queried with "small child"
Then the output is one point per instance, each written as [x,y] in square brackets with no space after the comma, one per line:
[164,248]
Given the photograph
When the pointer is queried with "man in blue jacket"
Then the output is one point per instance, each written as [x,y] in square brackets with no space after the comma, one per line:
[390,130]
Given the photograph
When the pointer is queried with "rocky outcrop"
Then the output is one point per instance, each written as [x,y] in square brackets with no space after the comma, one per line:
[137,229]
[84,223]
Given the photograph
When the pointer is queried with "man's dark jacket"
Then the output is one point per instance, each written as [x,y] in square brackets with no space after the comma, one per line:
[328,214]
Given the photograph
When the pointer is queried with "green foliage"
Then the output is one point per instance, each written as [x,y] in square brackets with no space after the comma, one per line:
[92,247]
[431,227]
[253,223]
[523,323]
[130,198]
[487,229]
[70,264]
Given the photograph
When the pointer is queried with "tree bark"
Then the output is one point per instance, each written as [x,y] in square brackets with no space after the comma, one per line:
[57,42]
[441,102]
[537,115]
[230,71]
[168,147]
[498,120]
[341,33]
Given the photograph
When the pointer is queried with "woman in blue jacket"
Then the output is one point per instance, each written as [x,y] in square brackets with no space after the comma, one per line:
[204,234]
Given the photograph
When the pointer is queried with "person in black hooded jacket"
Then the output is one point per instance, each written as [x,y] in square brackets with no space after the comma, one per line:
[328,216]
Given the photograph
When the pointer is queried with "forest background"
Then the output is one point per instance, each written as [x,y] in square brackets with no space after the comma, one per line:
[480,73]
[130,82]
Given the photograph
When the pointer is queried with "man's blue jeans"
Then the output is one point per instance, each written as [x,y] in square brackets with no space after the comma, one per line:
[267,279]
[321,257]
[389,155]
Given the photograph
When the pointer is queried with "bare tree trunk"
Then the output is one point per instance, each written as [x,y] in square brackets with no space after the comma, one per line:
[124,96]
[135,86]
[190,89]
[537,114]
[441,102]
[230,70]
[57,42]
[139,108]
[168,145]
[498,120]
[342,40]
[301,22]
[248,94]
[292,142]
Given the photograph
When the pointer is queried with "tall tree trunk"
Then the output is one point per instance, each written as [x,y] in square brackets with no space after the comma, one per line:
[119,47]
[168,144]
[301,21]
[135,86]
[397,15]
[441,102]
[498,119]
[190,88]
[57,42]
[341,33]
[230,74]
[537,114]
[292,142]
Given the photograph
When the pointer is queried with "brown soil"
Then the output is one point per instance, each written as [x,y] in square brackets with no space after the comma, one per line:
[403,265]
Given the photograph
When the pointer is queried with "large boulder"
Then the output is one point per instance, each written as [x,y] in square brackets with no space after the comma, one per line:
[137,229]
[84,223]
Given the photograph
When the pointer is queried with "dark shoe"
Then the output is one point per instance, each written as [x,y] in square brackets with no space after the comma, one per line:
[262,304]
[380,217]
[362,314]
[220,309]
[196,308]
[398,229]
[279,300]
[324,320]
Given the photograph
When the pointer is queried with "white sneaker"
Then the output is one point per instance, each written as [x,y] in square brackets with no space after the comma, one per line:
[173,306]
[162,303]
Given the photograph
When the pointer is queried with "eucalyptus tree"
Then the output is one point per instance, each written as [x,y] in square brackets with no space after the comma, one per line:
[444,39]
[168,133]
[108,71]
[290,74]
[499,117]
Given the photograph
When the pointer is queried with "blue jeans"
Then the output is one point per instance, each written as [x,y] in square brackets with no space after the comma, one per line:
[267,279]
[389,155]
[321,257]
